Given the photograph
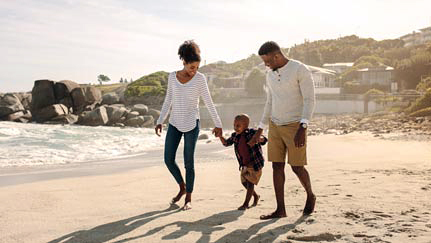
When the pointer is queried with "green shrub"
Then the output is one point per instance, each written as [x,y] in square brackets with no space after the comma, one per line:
[422,102]
[374,92]
[423,112]
[154,84]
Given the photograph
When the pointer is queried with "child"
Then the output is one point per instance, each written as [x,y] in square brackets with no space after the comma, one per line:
[250,159]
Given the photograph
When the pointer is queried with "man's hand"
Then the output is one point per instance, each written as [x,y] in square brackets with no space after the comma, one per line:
[158,129]
[218,132]
[300,137]
[256,137]
[261,139]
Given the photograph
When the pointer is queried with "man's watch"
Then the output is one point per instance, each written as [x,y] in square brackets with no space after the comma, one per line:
[304,125]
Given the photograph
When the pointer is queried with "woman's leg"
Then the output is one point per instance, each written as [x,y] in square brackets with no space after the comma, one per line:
[173,138]
[190,139]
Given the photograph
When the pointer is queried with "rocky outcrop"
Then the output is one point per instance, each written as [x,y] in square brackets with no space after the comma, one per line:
[42,94]
[9,104]
[141,109]
[63,90]
[49,112]
[110,99]
[97,117]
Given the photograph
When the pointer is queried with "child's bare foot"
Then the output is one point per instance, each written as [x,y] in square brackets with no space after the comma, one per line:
[255,200]
[243,207]
[179,195]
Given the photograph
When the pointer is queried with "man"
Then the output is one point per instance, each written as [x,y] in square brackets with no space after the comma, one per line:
[288,108]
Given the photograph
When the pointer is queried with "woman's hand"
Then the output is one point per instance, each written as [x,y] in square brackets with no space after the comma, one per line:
[218,132]
[158,129]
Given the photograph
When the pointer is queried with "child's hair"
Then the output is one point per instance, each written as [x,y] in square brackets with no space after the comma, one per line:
[189,52]
[244,118]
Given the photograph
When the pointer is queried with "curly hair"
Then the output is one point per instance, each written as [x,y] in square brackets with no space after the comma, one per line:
[189,52]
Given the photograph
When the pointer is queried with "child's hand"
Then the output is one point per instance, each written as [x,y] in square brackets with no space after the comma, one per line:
[222,140]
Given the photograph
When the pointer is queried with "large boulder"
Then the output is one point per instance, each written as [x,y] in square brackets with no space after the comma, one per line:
[42,94]
[50,112]
[135,121]
[64,119]
[142,109]
[25,99]
[148,121]
[78,97]
[154,113]
[9,103]
[115,113]
[132,114]
[97,117]
[63,90]
[93,95]
[110,99]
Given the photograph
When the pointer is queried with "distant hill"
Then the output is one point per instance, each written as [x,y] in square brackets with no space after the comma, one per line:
[410,63]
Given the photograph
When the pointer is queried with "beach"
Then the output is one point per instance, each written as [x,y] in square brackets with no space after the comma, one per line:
[369,189]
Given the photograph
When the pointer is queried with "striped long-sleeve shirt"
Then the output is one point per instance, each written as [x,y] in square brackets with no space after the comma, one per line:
[182,100]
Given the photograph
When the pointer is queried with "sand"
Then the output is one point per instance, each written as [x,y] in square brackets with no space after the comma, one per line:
[368,190]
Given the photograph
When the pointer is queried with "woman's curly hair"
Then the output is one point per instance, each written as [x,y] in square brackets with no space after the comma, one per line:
[189,52]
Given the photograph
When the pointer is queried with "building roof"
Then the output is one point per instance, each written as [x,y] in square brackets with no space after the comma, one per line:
[381,68]
[339,64]
[314,69]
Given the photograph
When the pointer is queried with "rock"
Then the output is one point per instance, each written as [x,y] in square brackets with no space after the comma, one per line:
[135,121]
[149,121]
[97,117]
[9,104]
[115,113]
[119,125]
[49,112]
[25,99]
[63,90]
[110,99]
[203,136]
[155,113]
[14,116]
[132,114]
[142,109]
[93,95]
[64,119]
[42,94]
[78,98]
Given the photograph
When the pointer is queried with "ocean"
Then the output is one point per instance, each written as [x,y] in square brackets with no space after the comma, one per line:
[30,144]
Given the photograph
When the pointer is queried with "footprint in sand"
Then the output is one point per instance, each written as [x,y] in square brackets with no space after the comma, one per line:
[319,237]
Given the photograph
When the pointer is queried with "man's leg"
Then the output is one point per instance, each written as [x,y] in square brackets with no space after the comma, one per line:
[304,178]
[278,180]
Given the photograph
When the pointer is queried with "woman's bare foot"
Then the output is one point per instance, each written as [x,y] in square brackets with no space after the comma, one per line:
[273,215]
[255,200]
[187,206]
[180,194]
[243,207]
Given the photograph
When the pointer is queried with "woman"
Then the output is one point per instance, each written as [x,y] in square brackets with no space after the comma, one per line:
[185,87]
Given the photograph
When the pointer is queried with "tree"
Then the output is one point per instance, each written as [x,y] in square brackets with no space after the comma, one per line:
[254,83]
[121,80]
[103,78]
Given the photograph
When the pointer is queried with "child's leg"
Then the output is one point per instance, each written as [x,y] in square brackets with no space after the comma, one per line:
[250,191]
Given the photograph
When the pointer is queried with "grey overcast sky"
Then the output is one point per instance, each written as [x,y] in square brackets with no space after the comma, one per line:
[80,39]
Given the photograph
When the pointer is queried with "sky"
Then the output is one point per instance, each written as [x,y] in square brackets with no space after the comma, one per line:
[80,39]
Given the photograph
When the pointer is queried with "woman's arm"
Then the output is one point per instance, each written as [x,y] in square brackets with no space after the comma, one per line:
[166,104]
[205,94]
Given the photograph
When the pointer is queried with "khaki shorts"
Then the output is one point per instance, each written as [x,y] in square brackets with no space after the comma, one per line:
[250,175]
[281,141]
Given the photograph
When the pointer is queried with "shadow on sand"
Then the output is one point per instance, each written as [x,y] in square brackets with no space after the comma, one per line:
[112,230]
[205,226]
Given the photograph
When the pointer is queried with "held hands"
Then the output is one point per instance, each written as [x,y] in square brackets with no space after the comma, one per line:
[256,138]
[158,129]
[218,132]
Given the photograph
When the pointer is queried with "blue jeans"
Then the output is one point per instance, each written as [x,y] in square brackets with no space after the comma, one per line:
[173,138]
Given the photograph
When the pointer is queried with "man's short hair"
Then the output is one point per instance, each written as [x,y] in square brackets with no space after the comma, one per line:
[243,118]
[269,47]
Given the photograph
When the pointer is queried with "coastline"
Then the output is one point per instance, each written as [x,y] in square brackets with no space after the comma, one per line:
[365,192]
